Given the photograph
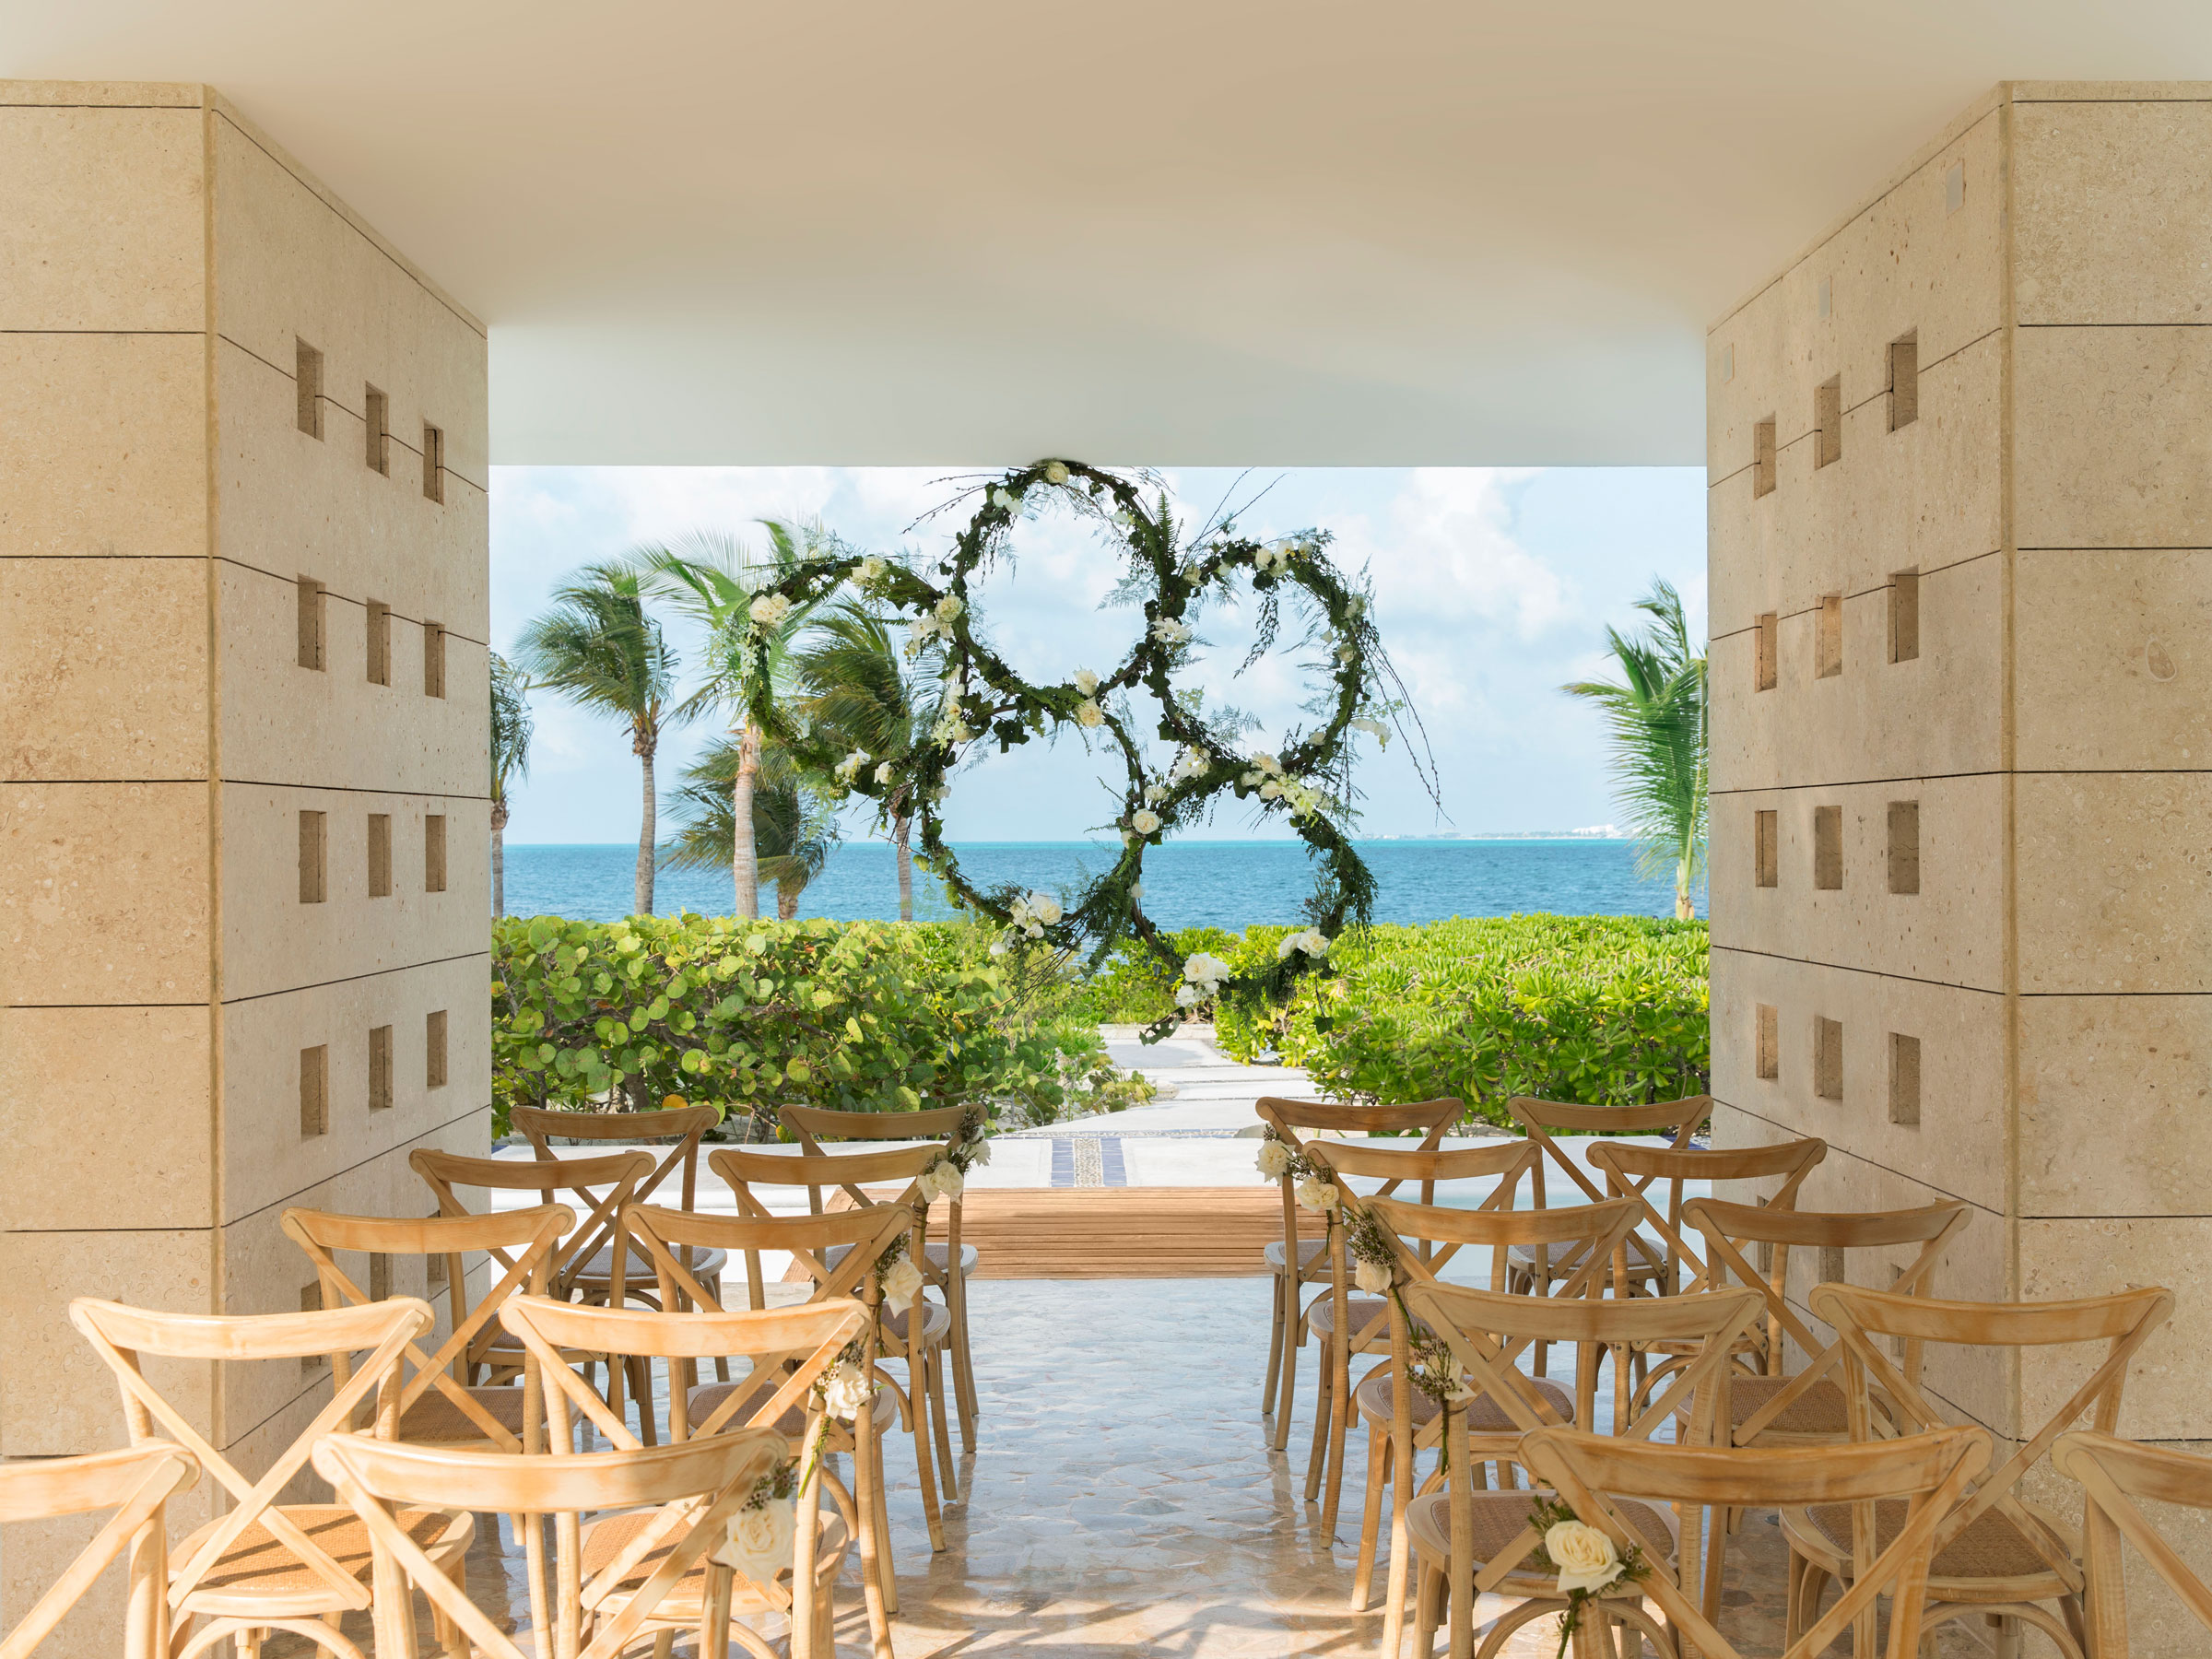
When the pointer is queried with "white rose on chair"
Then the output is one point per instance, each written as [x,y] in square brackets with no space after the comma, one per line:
[941,1180]
[1318,1195]
[1371,1276]
[902,1284]
[844,1391]
[760,1540]
[1274,1160]
[1584,1556]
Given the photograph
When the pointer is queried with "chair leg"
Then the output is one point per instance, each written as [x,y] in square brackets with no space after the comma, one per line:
[917,1389]
[1371,1514]
[1290,1348]
[1324,1406]
[963,1372]
[935,1364]
[887,1568]
[1343,1410]
[641,1386]
[867,1514]
[1275,1350]
[1427,1611]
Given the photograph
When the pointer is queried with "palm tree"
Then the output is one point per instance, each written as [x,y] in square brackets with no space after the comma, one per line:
[713,577]
[1657,721]
[856,688]
[511,728]
[794,825]
[598,646]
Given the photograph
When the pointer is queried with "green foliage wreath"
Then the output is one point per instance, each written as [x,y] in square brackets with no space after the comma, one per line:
[985,701]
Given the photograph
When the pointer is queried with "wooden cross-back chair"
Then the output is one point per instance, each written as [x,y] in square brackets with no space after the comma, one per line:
[814,1124]
[1470,1541]
[789,1347]
[1295,1262]
[601,1187]
[1336,1308]
[1922,1477]
[857,1238]
[135,1482]
[708,1480]
[1542,1121]
[265,1565]
[439,1404]
[2112,1473]
[682,1125]
[1997,1555]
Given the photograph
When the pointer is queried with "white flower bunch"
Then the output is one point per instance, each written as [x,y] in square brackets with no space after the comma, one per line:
[1144,822]
[1136,889]
[1346,653]
[1277,555]
[1202,976]
[1006,498]
[760,1541]
[1273,1160]
[979,1153]
[884,771]
[1356,608]
[941,1180]
[1170,631]
[901,1283]
[1263,767]
[1032,909]
[869,571]
[769,609]
[1310,941]
[1371,1276]
[844,1389]
[1314,1194]
[1190,763]
[1122,520]
[1054,473]
[1156,793]
[1086,682]
[947,611]
[950,729]
[1584,1556]
[1088,713]
[919,633]
[1373,728]
[849,768]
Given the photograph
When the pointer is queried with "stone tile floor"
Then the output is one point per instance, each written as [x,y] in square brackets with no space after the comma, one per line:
[1122,1499]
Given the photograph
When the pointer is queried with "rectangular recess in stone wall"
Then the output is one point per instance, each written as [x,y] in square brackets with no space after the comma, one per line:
[1827,421]
[314,858]
[377,416]
[1763,466]
[379,1068]
[1766,652]
[379,642]
[1766,848]
[313,604]
[307,376]
[1768,1047]
[1827,638]
[433,463]
[433,659]
[314,1092]
[1828,848]
[1904,616]
[1904,846]
[433,853]
[1828,1058]
[1904,382]
[434,1049]
[1904,1079]
[380,855]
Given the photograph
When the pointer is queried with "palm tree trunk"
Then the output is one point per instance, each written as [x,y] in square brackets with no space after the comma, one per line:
[498,858]
[906,867]
[648,828]
[745,866]
[787,903]
[1684,909]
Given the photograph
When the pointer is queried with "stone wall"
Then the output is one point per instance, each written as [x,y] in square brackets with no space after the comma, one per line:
[227,607]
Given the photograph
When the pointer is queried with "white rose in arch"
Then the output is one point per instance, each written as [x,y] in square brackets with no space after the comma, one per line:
[1044,908]
[1054,473]
[1035,930]
[949,607]
[902,1284]
[1274,1160]
[1156,793]
[1088,713]
[1086,682]
[872,570]
[1318,1195]
[760,1540]
[1584,1556]
[1188,996]
[1371,1276]
[1145,822]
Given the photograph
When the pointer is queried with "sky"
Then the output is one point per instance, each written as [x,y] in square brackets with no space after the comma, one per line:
[1493,588]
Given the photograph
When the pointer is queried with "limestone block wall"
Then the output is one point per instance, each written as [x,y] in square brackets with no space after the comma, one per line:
[1960,502]
[243,867]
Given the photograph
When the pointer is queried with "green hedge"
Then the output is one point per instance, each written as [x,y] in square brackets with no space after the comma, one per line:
[1606,1010]
[744,1015]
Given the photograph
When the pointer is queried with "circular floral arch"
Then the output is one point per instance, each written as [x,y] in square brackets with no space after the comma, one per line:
[1308,784]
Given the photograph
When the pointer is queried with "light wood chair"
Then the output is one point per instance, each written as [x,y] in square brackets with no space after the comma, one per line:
[953,1125]
[1922,1477]
[135,1482]
[1294,1261]
[788,1349]
[1468,1541]
[1338,1403]
[1997,1555]
[269,1566]
[2113,1474]
[857,1238]
[439,1403]
[697,1486]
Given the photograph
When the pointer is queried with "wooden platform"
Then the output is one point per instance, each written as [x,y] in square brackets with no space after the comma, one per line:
[1125,1232]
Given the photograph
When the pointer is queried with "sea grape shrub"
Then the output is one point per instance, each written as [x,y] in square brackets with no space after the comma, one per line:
[1135,987]
[1604,1010]
[746,1015]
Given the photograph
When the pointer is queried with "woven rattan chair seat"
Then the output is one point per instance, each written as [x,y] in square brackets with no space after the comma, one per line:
[1991,1549]
[637,1267]
[936,1323]
[435,1420]
[1820,1409]
[1309,1251]
[603,1540]
[1498,1520]
[1365,1310]
[259,1564]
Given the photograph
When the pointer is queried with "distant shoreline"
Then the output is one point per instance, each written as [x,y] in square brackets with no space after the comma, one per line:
[1525,838]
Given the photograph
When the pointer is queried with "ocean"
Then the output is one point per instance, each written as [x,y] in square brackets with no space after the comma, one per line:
[1187,884]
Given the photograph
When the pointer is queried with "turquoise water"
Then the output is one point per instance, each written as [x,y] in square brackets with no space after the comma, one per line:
[1187,884]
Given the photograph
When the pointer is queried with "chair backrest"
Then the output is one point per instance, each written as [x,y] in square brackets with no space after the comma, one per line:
[699,1485]
[2113,1474]
[622,1175]
[1284,1119]
[817,1172]
[1928,1471]
[1584,1234]
[1632,1171]
[811,1126]
[2122,1322]
[134,1482]
[683,1125]
[670,1240]
[522,1240]
[121,1334]
[1728,1228]
[1541,1120]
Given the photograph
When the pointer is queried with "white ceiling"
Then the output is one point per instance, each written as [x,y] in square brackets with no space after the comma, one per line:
[1212,232]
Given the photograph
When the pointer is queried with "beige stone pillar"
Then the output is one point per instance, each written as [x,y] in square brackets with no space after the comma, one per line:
[243,839]
[1960,469]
